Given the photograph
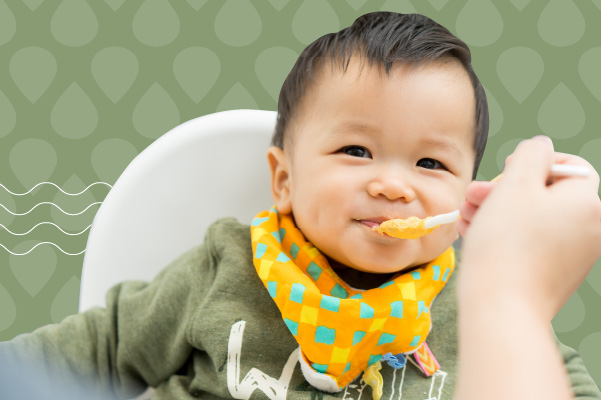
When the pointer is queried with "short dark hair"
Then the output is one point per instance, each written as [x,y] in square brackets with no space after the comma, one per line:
[383,38]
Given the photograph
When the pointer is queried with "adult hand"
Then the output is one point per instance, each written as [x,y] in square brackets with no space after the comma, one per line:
[532,236]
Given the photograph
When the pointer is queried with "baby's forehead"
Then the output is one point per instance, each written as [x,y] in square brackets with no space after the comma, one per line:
[367,78]
[357,86]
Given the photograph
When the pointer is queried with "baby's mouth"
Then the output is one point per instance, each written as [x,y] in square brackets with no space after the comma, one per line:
[369,223]
[373,222]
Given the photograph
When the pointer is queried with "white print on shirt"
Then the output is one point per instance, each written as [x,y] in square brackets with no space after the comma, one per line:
[354,388]
[277,389]
[440,376]
[254,379]
[431,387]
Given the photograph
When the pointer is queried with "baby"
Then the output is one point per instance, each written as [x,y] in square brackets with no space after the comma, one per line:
[385,119]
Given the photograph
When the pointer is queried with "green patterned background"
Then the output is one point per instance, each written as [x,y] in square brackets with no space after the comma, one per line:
[86,86]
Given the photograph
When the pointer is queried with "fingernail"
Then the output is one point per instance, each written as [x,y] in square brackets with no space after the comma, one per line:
[543,138]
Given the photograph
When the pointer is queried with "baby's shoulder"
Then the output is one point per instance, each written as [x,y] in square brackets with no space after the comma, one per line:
[228,235]
[228,228]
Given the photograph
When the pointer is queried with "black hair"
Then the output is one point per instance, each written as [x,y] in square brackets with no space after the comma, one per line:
[384,38]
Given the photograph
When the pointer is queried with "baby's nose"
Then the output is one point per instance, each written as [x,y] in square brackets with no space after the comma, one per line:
[393,186]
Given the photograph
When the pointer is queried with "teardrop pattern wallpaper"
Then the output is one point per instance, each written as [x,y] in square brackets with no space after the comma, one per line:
[85,86]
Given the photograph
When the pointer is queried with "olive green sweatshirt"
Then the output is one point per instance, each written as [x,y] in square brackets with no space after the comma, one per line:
[206,327]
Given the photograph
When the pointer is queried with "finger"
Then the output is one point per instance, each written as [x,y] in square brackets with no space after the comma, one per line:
[462,227]
[581,190]
[531,162]
[564,158]
[559,158]
[477,191]
[467,210]
[570,159]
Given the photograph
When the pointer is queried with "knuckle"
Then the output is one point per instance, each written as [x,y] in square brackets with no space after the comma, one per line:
[525,143]
[528,147]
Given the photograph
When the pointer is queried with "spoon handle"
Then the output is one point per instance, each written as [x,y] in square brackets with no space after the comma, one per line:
[442,219]
[569,170]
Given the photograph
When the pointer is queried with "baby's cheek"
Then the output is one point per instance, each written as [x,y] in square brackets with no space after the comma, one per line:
[451,235]
[442,237]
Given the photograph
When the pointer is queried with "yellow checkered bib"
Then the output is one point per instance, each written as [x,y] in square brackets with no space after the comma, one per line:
[342,331]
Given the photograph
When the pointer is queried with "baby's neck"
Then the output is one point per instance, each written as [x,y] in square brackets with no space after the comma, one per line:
[358,279]
[362,280]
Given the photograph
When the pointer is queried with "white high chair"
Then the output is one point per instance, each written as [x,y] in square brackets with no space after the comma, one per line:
[204,169]
[209,167]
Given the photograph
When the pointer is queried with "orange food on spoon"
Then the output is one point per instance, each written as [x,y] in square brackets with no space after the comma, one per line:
[410,228]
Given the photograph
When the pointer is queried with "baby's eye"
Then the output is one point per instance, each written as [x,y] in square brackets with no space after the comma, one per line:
[356,151]
[430,163]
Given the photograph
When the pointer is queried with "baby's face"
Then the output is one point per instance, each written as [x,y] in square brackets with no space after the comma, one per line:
[372,147]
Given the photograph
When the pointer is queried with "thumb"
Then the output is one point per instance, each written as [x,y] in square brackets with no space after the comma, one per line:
[531,161]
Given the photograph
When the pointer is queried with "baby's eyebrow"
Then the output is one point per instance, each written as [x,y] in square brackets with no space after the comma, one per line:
[346,127]
[444,144]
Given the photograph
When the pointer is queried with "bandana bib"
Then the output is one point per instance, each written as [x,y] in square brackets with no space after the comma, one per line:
[342,331]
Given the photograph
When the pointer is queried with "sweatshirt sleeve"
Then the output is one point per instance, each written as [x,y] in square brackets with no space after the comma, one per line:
[139,340]
[583,385]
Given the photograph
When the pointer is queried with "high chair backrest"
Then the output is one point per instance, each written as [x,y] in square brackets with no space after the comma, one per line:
[204,169]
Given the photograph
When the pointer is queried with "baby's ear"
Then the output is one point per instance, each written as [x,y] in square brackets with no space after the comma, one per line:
[280,179]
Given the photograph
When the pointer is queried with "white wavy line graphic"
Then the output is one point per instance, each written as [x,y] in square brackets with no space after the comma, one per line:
[45,223]
[56,186]
[47,202]
[55,245]
[49,223]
